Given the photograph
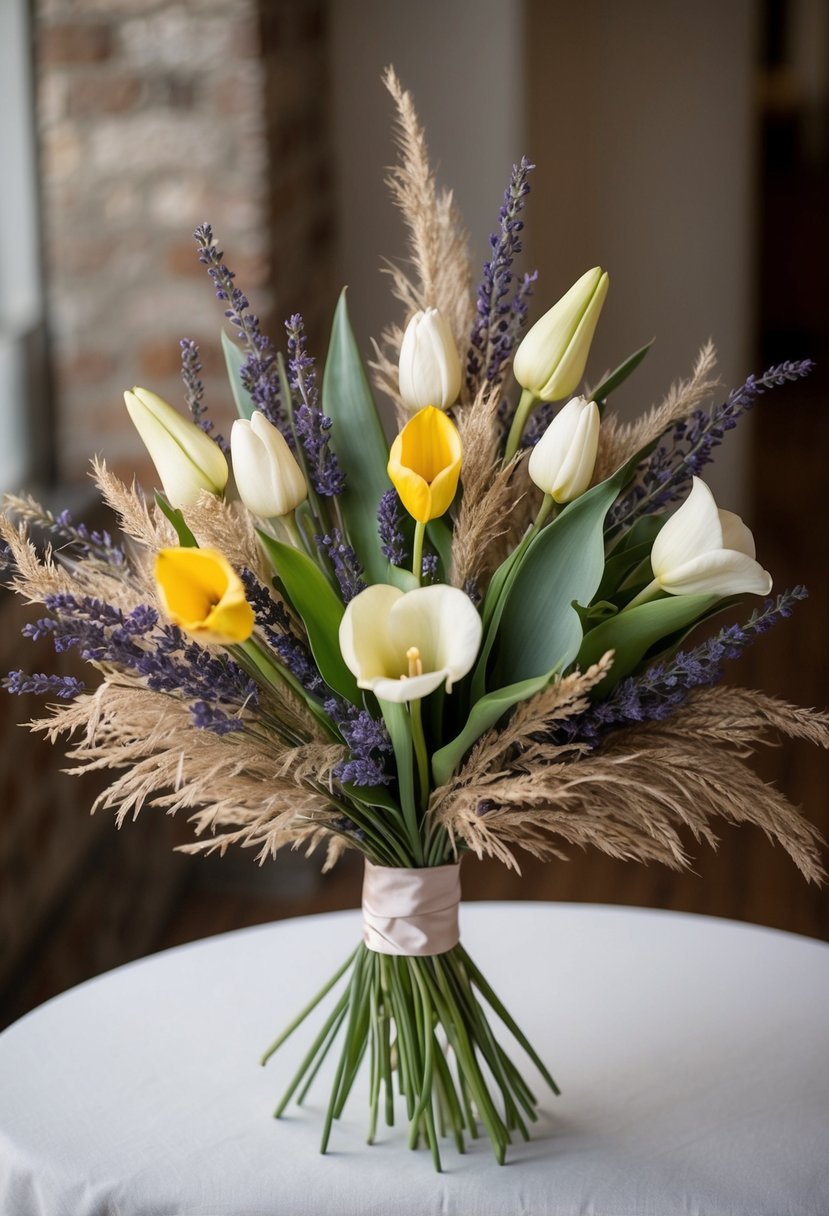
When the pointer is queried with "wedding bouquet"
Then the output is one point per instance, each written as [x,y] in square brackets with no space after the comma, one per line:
[474,639]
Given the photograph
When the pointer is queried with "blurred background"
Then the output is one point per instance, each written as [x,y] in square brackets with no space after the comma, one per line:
[685,148]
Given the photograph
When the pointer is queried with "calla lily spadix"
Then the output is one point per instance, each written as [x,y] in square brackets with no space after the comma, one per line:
[430,369]
[404,644]
[425,464]
[186,459]
[202,594]
[704,550]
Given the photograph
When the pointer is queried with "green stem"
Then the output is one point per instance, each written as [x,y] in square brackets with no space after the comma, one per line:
[289,525]
[312,1004]
[417,549]
[528,400]
[422,755]
[645,595]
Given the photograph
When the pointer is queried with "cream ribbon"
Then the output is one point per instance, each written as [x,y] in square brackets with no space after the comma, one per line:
[412,912]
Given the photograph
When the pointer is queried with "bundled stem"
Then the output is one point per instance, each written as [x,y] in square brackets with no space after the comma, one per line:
[423,1019]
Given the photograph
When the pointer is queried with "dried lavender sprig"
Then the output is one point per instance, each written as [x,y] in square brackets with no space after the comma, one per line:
[194,391]
[499,320]
[42,684]
[134,641]
[259,373]
[367,740]
[313,428]
[85,542]
[209,717]
[658,691]
[275,625]
[344,562]
[667,473]
[389,528]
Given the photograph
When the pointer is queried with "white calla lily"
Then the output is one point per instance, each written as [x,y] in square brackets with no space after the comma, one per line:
[404,644]
[561,463]
[268,478]
[430,368]
[702,550]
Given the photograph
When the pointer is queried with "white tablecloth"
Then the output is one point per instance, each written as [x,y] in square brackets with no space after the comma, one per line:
[692,1054]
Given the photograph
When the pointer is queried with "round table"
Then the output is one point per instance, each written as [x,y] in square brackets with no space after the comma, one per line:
[692,1055]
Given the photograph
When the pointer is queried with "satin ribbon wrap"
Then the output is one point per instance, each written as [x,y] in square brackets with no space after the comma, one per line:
[411,912]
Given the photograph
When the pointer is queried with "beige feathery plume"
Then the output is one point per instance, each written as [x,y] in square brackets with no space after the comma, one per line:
[239,788]
[618,442]
[149,528]
[228,527]
[35,577]
[491,492]
[440,275]
[634,796]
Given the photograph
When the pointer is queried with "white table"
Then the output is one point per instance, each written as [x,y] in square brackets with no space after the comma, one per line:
[692,1054]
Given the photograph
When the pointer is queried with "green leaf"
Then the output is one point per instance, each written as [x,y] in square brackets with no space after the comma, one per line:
[621,566]
[631,634]
[185,537]
[485,713]
[398,577]
[439,535]
[540,631]
[612,382]
[234,359]
[320,608]
[358,440]
[398,724]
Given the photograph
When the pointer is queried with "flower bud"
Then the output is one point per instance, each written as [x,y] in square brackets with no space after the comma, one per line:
[551,358]
[702,550]
[268,478]
[186,459]
[430,369]
[561,463]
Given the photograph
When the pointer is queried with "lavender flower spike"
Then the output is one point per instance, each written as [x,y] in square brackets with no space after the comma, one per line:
[259,373]
[499,321]
[312,426]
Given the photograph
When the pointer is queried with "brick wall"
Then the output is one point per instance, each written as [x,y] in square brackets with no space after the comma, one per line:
[153,117]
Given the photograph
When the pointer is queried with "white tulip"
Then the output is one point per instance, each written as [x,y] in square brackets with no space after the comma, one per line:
[561,463]
[551,357]
[430,369]
[702,550]
[404,645]
[268,478]
[186,459]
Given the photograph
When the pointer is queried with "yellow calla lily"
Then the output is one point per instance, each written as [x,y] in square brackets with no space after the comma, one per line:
[425,464]
[202,594]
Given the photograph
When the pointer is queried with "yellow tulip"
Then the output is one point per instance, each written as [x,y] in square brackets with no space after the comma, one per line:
[425,464]
[202,594]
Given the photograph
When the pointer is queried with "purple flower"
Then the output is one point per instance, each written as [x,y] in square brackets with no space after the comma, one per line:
[41,684]
[194,391]
[274,622]
[389,528]
[260,371]
[666,474]
[657,692]
[499,319]
[345,564]
[313,428]
[367,740]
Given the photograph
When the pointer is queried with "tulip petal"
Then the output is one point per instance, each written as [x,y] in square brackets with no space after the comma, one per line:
[724,572]
[186,459]
[692,530]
